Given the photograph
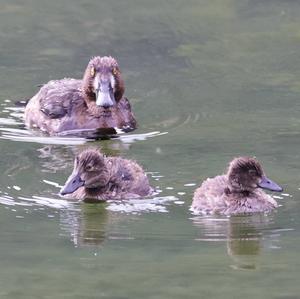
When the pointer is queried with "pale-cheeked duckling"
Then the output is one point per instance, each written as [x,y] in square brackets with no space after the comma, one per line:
[97,177]
[96,102]
[238,191]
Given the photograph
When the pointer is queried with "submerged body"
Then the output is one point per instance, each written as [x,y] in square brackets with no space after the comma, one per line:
[236,192]
[96,177]
[95,102]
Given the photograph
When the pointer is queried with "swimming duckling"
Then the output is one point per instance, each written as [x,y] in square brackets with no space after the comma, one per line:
[96,177]
[237,191]
[95,102]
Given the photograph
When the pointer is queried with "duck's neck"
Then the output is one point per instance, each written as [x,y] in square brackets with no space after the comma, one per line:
[97,111]
[237,192]
[101,183]
[93,192]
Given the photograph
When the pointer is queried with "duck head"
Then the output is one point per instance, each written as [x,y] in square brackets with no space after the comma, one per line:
[102,82]
[246,174]
[89,171]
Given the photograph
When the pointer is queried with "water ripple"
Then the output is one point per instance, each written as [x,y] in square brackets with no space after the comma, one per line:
[12,128]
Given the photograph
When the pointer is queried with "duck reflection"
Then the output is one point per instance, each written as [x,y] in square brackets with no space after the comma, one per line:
[245,241]
[57,157]
[244,236]
[87,225]
[54,157]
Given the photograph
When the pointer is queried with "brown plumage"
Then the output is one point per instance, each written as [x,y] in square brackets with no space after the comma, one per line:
[96,177]
[237,191]
[95,102]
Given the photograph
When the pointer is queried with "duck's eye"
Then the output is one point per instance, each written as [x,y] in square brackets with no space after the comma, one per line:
[89,168]
[92,72]
[252,172]
[114,71]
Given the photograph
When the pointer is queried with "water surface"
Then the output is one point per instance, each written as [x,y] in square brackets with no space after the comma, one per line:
[208,80]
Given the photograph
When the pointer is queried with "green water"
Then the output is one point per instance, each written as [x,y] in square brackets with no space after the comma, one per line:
[208,80]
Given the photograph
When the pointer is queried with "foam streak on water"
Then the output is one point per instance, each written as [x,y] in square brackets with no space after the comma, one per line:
[52,184]
[48,202]
[135,206]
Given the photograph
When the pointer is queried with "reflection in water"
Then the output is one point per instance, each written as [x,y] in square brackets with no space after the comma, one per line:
[86,225]
[55,158]
[244,236]
[244,241]
[90,224]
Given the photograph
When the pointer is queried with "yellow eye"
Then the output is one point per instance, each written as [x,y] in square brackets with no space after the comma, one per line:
[92,71]
[114,71]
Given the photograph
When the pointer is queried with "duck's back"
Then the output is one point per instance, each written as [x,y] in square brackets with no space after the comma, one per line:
[128,178]
[53,108]
[209,197]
